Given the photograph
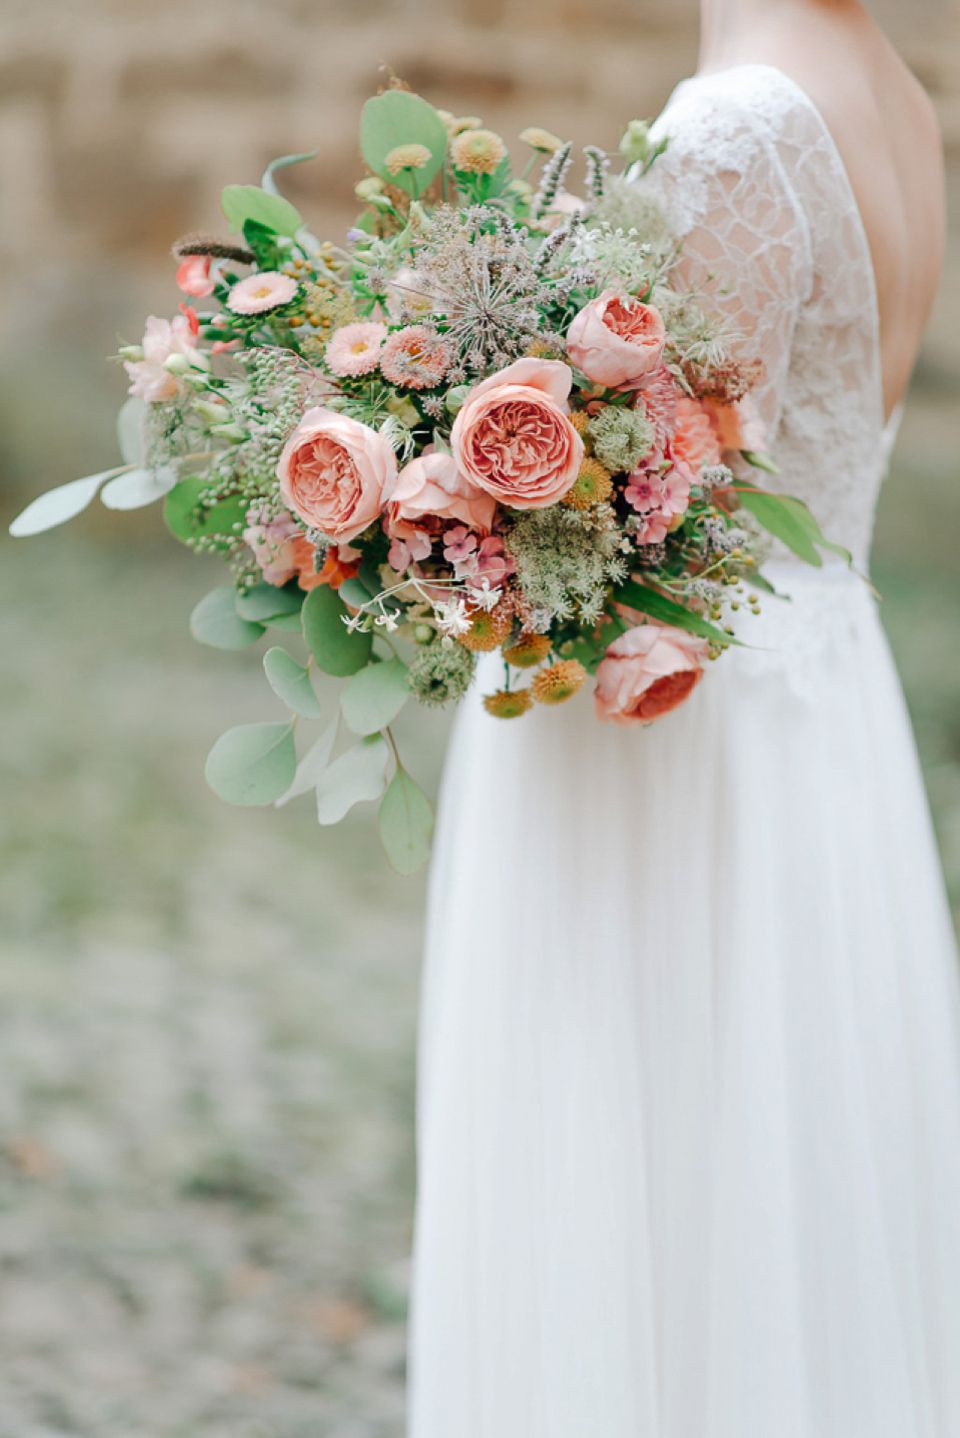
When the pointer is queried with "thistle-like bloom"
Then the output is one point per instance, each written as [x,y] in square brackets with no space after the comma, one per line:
[508,703]
[438,674]
[415,357]
[558,683]
[266,290]
[621,438]
[407,157]
[355,349]
[477,152]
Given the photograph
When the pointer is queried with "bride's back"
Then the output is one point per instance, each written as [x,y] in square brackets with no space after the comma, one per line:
[887,134]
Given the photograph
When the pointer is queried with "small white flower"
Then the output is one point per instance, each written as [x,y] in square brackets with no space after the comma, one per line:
[353,621]
[484,596]
[452,619]
[388,621]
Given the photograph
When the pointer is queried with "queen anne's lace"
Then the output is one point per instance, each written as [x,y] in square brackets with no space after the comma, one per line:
[754,184]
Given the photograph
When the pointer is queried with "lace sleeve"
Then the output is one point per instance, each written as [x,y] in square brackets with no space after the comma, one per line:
[746,244]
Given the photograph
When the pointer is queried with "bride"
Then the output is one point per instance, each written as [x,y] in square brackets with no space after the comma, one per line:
[689,1109]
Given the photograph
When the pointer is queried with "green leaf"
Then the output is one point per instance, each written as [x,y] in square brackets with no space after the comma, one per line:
[215,621]
[333,646]
[60,504]
[374,697]
[406,823]
[759,460]
[252,764]
[268,183]
[312,764]
[789,520]
[290,682]
[179,513]
[265,602]
[357,775]
[249,202]
[130,429]
[138,487]
[399,118]
[289,623]
[355,593]
[668,611]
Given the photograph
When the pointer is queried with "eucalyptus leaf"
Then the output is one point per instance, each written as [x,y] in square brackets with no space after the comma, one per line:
[253,763]
[290,682]
[266,601]
[355,593]
[398,117]
[248,202]
[668,611]
[215,621]
[181,518]
[357,775]
[58,505]
[130,420]
[312,764]
[406,823]
[138,487]
[289,623]
[373,698]
[268,183]
[336,649]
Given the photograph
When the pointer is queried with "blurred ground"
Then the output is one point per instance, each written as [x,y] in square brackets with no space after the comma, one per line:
[207,1015]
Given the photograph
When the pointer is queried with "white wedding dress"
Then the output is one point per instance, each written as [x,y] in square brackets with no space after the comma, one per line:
[689,1104]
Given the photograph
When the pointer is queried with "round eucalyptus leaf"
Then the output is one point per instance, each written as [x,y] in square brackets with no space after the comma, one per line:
[138,487]
[406,823]
[373,698]
[60,504]
[336,649]
[312,764]
[357,775]
[265,601]
[248,202]
[215,621]
[398,117]
[185,522]
[130,429]
[252,764]
[290,682]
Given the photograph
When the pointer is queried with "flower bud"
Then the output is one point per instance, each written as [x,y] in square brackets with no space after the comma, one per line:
[456,397]
[635,141]
[131,352]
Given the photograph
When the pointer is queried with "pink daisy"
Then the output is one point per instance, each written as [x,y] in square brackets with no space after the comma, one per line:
[266,290]
[415,357]
[355,349]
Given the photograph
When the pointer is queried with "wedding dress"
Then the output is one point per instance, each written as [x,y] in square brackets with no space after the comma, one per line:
[689,1086]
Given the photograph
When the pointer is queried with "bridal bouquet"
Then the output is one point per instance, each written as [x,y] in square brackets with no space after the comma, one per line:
[487,422]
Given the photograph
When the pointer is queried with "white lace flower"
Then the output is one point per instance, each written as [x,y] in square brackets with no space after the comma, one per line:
[452,618]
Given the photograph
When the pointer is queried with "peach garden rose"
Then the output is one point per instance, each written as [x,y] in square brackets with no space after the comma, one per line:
[336,473]
[647,672]
[431,487]
[616,340]
[513,438]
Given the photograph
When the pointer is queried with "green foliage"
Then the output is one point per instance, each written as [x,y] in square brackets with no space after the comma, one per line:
[357,775]
[406,823]
[248,202]
[788,520]
[130,429]
[136,488]
[215,621]
[399,118]
[313,763]
[265,602]
[188,522]
[373,698]
[268,183]
[59,504]
[668,611]
[253,763]
[290,682]
[336,649]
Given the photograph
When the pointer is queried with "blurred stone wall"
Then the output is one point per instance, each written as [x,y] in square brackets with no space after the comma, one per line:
[121,121]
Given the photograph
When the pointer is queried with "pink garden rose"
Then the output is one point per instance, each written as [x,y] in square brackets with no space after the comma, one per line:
[193,276]
[162,338]
[696,444]
[616,340]
[336,473]
[647,672]
[431,487]
[512,436]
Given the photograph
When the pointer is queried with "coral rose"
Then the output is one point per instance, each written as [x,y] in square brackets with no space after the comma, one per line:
[647,672]
[336,473]
[431,487]
[512,436]
[617,340]
[696,444]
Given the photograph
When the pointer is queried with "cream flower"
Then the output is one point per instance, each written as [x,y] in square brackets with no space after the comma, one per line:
[477,152]
[407,157]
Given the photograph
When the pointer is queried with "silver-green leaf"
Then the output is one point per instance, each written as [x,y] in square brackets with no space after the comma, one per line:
[130,429]
[253,763]
[290,682]
[373,698]
[357,775]
[138,487]
[58,505]
[406,823]
[312,765]
[215,621]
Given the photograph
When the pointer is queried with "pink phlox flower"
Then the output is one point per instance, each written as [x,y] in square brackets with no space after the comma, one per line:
[645,492]
[162,338]
[193,276]
[271,537]
[493,565]
[354,349]
[412,549]
[653,529]
[459,545]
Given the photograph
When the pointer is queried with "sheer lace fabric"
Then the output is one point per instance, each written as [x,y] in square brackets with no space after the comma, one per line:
[689,1084]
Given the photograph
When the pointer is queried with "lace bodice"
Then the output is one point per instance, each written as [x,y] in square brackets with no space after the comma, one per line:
[753,182]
